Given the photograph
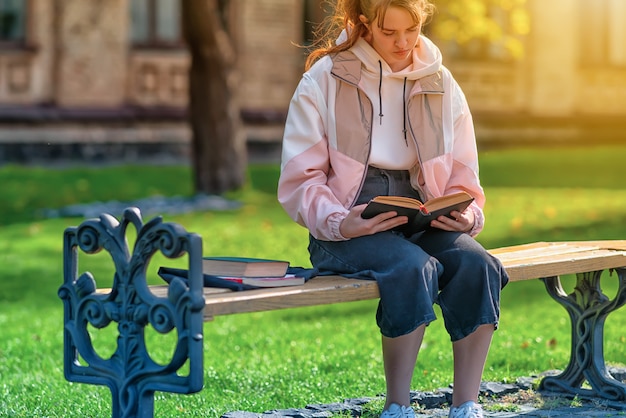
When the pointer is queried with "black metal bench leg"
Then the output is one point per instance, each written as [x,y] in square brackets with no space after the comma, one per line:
[588,308]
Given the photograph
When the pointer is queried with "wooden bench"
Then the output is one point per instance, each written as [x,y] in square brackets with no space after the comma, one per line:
[133,377]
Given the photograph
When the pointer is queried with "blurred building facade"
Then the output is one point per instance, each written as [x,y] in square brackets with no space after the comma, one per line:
[115,71]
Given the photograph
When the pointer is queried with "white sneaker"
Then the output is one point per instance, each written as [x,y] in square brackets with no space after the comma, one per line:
[469,409]
[398,411]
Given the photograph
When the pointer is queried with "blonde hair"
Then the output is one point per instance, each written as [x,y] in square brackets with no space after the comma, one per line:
[346,17]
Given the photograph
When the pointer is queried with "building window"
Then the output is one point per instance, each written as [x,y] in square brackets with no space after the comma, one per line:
[12,21]
[155,23]
[601,40]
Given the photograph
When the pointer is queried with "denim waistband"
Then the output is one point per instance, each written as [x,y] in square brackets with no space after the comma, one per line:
[379,181]
[397,175]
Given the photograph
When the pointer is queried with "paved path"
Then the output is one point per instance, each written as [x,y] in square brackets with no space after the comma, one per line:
[529,408]
[528,411]
[499,401]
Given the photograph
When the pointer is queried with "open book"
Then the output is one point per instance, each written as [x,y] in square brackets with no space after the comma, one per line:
[420,214]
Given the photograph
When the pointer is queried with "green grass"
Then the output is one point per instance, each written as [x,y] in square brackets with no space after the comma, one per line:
[290,358]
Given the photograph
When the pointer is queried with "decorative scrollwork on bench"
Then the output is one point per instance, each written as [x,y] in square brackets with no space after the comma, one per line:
[130,373]
[588,309]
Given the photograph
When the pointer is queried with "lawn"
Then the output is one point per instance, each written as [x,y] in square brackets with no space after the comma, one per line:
[288,359]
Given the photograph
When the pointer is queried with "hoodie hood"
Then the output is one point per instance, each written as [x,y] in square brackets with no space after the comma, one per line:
[427,60]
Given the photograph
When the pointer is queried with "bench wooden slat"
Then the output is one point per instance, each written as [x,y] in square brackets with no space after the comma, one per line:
[544,259]
[617,245]
[562,246]
[557,265]
[317,291]
[546,249]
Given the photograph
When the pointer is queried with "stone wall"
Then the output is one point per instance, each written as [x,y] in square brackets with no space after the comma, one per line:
[91,53]
[158,78]
[270,64]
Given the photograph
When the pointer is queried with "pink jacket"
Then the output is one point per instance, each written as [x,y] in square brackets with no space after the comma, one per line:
[326,144]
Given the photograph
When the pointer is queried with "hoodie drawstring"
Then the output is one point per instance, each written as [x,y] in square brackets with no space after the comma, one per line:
[380,101]
[404,112]
[380,95]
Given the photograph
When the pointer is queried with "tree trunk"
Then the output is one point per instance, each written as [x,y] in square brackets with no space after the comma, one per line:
[218,141]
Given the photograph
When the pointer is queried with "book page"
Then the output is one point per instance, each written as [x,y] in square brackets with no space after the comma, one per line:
[406,202]
[445,201]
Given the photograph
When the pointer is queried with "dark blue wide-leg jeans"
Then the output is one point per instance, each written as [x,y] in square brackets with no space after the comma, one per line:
[448,268]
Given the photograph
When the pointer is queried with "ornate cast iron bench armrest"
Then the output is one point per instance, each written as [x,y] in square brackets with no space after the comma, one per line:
[130,372]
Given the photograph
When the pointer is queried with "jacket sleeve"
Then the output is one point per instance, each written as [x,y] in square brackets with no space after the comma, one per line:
[465,169]
[303,189]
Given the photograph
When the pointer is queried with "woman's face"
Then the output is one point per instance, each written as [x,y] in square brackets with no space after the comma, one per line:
[395,38]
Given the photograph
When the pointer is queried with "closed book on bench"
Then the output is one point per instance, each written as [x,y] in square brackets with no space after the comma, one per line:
[286,280]
[244,267]
[420,214]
